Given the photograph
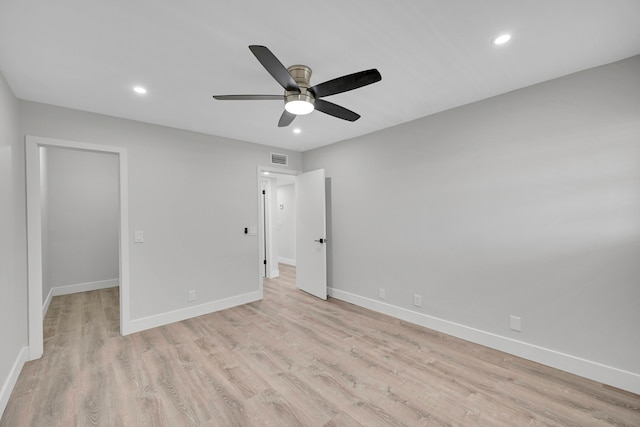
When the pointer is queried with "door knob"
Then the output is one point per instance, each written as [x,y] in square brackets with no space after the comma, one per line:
[321,240]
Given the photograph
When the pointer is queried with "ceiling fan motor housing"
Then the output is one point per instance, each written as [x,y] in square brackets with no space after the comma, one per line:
[302,75]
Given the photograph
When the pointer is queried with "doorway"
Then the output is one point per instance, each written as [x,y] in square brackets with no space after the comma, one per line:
[277,221]
[35,149]
[79,208]
[309,230]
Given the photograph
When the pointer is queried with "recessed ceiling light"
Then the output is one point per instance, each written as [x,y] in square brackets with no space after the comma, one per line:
[297,130]
[502,39]
[140,90]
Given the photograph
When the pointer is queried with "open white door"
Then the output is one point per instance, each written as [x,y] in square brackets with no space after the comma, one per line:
[311,247]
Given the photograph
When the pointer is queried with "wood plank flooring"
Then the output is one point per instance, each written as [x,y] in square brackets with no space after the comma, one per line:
[289,360]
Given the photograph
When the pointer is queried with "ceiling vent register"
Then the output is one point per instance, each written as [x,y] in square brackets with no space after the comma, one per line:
[279,159]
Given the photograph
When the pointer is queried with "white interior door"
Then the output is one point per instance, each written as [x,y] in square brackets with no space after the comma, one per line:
[311,247]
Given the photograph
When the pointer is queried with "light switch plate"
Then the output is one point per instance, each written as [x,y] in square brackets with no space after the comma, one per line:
[253,230]
[139,237]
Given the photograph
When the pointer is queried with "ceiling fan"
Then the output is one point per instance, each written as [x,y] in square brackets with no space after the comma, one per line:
[300,97]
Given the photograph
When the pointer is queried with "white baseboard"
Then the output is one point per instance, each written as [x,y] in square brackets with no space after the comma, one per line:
[10,382]
[619,378]
[288,261]
[46,303]
[144,323]
[85,287]
[80,287]
[274,274]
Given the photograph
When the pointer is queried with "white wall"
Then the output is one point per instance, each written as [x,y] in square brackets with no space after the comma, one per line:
[193,226]
[286,224]
[13,254]
[82,215]
[525,204]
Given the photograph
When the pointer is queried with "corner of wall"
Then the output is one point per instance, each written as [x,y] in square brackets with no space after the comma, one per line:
[138,325]
[12,379]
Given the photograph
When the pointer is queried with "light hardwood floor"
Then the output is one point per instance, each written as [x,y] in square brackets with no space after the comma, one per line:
[290,359]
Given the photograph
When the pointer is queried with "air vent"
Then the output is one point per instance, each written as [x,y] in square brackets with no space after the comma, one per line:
[279,159]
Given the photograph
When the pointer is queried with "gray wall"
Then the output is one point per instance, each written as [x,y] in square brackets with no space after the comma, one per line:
[82,217]
[193,225]
[13,237]
[525,204]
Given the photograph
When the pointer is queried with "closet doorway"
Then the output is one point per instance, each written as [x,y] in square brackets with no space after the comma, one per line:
[36,153]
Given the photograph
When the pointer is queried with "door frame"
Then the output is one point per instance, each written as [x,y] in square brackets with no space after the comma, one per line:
[264,220]
[261,230]
[34,233]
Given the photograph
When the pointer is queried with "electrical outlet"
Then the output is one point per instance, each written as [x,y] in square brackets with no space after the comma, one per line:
[382,293]
[515,323]
[192,295]
[417,300]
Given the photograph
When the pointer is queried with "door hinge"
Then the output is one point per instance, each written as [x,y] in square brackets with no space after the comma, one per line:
[265,262]
[264,192]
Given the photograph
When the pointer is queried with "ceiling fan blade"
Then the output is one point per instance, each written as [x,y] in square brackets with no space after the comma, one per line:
[249,97]
[335,110]
[274,67]
[285,119]
[346,83]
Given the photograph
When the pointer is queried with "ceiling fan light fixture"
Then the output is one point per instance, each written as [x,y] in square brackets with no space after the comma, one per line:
[299,103]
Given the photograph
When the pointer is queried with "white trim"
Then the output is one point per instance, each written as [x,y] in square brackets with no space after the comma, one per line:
[123,244]
[154,321]
[85,287]
[12,378]
[619,378]
[288,261]
[34,233]
[274,274]
[46,303]
[268,256]
[34,249]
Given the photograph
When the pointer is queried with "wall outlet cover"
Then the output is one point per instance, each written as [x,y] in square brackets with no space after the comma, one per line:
[515,323]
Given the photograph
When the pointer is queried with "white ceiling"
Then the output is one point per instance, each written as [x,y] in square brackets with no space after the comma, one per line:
[433,55]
